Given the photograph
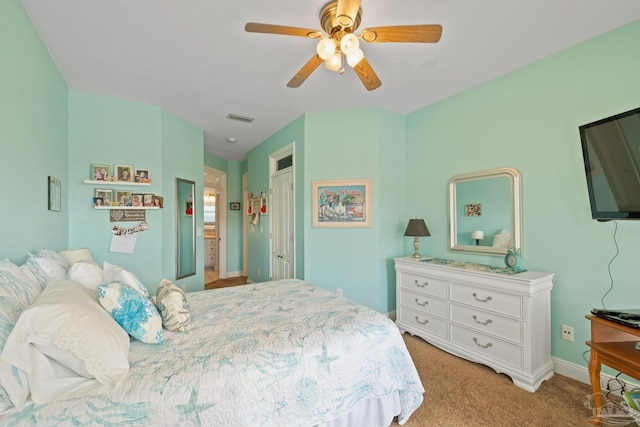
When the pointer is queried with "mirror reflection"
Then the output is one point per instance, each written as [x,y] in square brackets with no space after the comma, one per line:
[484,211]
[185,228]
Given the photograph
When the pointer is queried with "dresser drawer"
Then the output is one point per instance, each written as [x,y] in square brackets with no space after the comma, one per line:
[487,299]
[487,346]
[424,284]
[423,303]
[417,320]
[487,322]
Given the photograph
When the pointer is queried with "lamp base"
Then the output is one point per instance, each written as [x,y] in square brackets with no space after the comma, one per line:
[416,248]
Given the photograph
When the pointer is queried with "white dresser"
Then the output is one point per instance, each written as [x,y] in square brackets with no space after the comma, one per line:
[480,314]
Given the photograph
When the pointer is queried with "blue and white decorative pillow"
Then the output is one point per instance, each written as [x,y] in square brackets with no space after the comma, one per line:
[47,265]
[134,312]
[173,306]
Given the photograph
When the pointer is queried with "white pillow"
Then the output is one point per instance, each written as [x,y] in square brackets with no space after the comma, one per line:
[113,273]
[134,312]
[502,239]
[74,255]
[47,265]
[173,306]
[88,273]
[63,335]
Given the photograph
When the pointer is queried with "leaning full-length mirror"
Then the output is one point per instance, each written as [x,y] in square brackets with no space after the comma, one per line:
[185,228]
[485,211]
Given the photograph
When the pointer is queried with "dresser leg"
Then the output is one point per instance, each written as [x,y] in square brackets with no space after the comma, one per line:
[594,377]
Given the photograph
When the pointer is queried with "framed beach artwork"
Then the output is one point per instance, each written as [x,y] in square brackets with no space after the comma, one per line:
[55,194]
[341,203]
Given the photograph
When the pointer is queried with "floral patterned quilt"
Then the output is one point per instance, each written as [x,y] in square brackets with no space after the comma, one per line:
[282,353]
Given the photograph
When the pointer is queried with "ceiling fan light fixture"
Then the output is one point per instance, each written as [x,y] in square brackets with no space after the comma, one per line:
[355,57]
[349,44]
[326,48]
[334,63]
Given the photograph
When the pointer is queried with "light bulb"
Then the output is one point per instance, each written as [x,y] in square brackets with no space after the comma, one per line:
[334,62]
[354,58]
[325,48]
[349,44]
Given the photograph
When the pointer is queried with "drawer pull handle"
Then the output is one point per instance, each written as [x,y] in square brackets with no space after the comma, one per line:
[423,322]
[422,303]
[485,323]
[421,285]
[487,345]
[475,295]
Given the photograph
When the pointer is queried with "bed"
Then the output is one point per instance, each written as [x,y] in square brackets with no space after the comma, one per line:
[280,353]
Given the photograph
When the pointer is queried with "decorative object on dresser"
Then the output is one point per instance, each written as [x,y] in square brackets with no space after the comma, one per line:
[489,315]
[416,229]
[477,235]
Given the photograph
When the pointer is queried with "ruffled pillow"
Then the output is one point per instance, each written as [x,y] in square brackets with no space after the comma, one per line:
[173,306]
[113,273]
[135,313]
[67,344]
[47,265]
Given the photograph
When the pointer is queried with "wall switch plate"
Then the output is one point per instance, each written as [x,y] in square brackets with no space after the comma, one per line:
[567,333]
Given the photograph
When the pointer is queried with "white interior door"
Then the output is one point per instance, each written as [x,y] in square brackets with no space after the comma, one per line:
[282,226]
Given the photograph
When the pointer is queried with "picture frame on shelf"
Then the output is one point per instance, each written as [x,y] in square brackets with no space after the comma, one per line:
[100,172]
[157,201]
[99,202]
[137,200]
[147,199]
[234,206]
[54,192]
[142,176]
[123,173]
[106,194]
[341,203]
[123,197]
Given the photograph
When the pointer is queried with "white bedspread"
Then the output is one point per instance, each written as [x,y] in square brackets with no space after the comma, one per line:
[279,353]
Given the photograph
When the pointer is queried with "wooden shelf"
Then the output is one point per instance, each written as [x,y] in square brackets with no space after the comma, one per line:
[106,208]
[136,184]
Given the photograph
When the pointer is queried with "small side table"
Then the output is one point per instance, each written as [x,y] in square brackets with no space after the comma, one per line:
[612,344]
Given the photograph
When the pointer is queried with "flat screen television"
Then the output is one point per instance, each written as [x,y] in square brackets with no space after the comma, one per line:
[611,151]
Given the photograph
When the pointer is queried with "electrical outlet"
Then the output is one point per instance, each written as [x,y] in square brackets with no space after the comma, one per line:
[339,292]
[567,333]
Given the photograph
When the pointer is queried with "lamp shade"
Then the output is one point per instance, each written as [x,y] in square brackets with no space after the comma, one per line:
[477,234]
[417,228]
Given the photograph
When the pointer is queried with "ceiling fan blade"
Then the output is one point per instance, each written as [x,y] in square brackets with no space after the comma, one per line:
[367,76]
[347,8]
[305,71]
[403,33]
[255,27]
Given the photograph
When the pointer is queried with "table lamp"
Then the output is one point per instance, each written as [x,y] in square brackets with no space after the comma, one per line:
[416,229]
[478,235]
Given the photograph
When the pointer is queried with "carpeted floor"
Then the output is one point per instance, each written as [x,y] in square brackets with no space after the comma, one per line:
[460,393]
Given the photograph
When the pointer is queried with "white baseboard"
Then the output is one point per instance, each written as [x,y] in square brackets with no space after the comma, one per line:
[581,373]
[233,274]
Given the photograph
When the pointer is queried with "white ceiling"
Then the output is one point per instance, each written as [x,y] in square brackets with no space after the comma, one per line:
[194,59]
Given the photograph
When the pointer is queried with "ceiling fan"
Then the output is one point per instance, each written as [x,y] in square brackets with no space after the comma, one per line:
[340,19]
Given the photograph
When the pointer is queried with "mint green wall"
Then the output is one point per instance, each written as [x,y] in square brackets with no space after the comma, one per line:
[258,177]
[529,120]
[33,139]
[110,131]
[366,143]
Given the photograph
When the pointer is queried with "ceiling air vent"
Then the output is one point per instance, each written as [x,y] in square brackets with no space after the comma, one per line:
[240,118]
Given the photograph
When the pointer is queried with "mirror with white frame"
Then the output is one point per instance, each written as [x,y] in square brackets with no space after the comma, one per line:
[185,228]
[485,212]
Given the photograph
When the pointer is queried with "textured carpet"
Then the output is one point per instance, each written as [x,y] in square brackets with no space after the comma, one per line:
[461,393]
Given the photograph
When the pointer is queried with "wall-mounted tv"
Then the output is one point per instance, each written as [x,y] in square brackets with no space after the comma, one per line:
[611,151]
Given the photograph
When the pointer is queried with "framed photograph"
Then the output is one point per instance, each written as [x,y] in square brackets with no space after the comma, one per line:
[55,194]
[99,201]
[137,199]
[188,208]
[473,209]
[341,203]
[100,172]
[234,206]
[105,194]
[142,175]
[157,201]
[123,198]
[123,173]
[147,199]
